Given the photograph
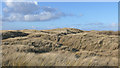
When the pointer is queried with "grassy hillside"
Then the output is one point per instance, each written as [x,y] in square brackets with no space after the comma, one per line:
[59,47]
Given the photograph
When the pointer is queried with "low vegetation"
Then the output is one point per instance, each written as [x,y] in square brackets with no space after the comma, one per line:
[60,47]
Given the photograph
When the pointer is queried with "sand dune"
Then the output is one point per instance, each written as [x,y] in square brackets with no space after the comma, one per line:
[59,47]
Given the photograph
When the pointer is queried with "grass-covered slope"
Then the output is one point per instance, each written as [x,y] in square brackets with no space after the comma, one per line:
[60,47]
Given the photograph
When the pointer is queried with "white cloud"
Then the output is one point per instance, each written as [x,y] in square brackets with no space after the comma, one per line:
[96,24]
[46,16]
[43,16]
[21,7]
[113,25]
[15,17]
[36,2]
[49,9]
[29,11]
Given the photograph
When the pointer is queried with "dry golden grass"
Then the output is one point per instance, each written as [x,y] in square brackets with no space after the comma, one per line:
[61,47]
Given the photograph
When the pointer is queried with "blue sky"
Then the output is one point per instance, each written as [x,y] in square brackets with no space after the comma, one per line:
[50,15]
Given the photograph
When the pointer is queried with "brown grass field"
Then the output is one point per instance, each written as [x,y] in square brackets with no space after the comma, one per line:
[59,47]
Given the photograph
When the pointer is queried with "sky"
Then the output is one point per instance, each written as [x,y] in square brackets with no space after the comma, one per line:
[51,15]
[62,0]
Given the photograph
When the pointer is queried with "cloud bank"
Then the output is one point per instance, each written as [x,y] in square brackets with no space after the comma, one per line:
[30,11]
[96,26]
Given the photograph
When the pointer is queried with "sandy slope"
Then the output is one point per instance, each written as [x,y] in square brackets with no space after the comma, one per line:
[60,47]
